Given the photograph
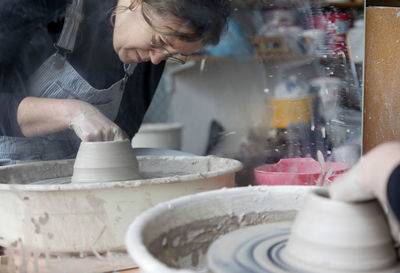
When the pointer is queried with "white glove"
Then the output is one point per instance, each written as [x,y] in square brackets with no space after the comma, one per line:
[92,125]
[349,187]
[368,180]
[369,177]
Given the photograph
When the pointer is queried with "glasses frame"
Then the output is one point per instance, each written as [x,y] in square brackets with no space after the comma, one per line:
[175,58]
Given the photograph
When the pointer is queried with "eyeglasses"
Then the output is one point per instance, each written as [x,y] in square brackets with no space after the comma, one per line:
[160,45]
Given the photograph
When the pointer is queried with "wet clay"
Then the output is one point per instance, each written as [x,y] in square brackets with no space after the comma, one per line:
[327,236]
[188,244]
[105,161]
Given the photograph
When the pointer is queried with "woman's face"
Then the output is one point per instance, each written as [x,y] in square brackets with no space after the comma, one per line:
[133,37]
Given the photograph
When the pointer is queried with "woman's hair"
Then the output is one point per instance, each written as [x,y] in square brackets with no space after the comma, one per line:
[206,18]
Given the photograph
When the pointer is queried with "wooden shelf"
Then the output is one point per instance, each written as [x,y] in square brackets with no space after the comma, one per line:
[386,3]
[199,58]
[294,57]
[344,5]
[285,57]
[266,4]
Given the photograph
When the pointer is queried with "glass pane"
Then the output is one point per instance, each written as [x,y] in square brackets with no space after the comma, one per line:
[285,81]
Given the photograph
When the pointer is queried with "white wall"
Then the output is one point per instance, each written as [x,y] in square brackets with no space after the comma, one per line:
[228,90]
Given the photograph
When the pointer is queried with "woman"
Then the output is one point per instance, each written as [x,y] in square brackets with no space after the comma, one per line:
[99,77]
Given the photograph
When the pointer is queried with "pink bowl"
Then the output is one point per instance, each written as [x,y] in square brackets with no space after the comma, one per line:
[337,168]
[295,171]
[332,178]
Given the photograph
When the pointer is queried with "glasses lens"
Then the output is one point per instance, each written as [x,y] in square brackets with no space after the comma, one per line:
[177,58]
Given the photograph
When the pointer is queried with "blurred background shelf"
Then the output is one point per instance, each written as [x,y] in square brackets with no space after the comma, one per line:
[345,5]
[388,3]
[302,3]
[284,57]
[224,95]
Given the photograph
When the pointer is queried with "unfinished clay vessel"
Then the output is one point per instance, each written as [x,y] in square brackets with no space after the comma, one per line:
[327,236]
[105,161]
[173,237]
[333,236]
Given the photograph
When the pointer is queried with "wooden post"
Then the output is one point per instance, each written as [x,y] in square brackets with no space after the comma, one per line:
[381,120]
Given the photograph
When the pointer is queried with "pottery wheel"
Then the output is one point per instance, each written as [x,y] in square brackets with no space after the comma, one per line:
[258,249]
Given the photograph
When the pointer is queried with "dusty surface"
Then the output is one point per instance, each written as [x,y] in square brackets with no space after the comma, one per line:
[17,262]
[153,170]
[40,205]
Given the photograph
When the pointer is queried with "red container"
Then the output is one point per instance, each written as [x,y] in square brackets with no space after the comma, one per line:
[333,23]
[336,25]
[332,178]
[294,171]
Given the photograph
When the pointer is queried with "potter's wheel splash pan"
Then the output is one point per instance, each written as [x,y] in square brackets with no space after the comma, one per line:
[87,217]
[174,236]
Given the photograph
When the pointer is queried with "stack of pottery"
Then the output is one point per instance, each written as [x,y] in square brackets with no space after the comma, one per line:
[105,161]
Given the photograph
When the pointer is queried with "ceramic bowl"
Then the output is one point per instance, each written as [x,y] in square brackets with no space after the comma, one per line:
[334,236]
[105,161]
[159,135]
[295,171]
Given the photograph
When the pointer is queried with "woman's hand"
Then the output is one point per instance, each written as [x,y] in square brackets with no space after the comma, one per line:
[41,116]
[92,125]
[368,179]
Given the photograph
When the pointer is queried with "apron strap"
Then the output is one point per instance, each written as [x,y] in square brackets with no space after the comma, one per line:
[73,17]
[129,68]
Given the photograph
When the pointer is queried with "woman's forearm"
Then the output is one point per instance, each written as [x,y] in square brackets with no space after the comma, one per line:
[41,116]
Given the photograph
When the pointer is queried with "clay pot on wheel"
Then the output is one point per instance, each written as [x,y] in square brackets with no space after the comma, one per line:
[333,236]
[105,161]
[327,236]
